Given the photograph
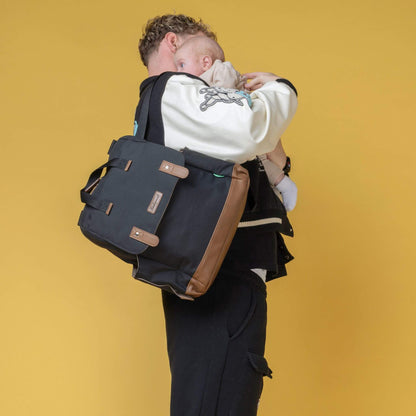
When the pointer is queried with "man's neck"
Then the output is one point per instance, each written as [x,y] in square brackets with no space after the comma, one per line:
[156,69]
[160,62]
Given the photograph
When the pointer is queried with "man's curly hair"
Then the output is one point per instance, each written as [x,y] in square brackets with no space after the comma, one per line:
[156,29]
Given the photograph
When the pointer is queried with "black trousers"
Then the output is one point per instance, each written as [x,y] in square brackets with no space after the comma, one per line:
[216,347]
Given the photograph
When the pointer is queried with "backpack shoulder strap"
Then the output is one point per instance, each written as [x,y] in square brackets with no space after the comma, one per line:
[142,113]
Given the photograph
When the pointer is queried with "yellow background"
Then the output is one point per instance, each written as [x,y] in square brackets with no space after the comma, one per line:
[79,336]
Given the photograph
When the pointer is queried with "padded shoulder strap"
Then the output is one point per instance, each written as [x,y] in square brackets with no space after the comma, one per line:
[142,112]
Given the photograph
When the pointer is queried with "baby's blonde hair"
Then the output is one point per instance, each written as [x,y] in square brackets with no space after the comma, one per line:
[205,46]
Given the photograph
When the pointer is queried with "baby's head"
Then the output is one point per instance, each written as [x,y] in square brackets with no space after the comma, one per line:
[197,55]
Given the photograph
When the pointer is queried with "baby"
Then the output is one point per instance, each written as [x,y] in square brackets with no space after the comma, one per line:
[203,57]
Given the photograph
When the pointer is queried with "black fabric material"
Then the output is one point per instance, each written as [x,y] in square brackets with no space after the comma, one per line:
[126,189]
[201,189]
[142,112]
[216,347]
[112,163]
[253,250]
[262,246]
[262,202]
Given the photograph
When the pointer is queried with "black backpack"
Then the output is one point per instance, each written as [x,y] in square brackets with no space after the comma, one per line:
[171,214]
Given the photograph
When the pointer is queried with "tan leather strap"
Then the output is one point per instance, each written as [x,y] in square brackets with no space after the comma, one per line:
[144,237]
[174,170]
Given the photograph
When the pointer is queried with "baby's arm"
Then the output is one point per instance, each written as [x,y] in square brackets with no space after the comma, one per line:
[275,161]
[278,158]
[223,74]
[280,182]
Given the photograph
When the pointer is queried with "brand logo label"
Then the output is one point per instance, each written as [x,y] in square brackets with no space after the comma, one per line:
[154,203]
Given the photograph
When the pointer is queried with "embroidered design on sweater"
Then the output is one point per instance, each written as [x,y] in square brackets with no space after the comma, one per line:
[214,95]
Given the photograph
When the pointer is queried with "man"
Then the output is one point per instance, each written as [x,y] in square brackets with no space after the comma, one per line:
[216,343]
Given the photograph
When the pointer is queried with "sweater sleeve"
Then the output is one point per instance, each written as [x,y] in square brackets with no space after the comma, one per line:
[223,74]
[229,125]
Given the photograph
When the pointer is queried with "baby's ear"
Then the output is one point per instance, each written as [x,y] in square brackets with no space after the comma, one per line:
[206,62]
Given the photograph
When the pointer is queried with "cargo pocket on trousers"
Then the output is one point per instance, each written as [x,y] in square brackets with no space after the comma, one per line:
[259,364]
[251,386]
[261,369]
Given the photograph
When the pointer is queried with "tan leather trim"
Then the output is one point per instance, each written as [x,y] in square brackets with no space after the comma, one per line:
[91,188]
[174,170]
[223,234]
[154,203]
[254,223]
[144,237]
[110,206]
[128,164]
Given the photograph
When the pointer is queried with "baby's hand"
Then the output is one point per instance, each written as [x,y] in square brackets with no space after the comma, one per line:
[258,79]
